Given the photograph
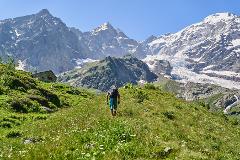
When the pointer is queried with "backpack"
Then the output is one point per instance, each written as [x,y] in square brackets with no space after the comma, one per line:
[113,93]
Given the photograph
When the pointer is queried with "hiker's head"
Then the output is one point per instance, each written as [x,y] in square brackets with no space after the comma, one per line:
[113,87]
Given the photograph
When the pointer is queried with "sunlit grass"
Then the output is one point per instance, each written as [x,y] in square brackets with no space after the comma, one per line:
[150,124]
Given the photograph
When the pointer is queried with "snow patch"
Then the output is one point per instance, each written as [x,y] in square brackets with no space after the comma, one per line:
[81,62]
[187,75]
[230,55]
[212,19]
[103,27]
[142,82]
[208,67]
[157,41]
[17,33]
[236,42]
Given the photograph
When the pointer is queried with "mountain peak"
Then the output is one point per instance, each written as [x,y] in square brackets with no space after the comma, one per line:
[44,12]
[150,39]
[107,24]
[104,26]
[217,17]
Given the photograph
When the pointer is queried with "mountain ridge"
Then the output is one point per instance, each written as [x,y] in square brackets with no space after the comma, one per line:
[206,49]
[108,72]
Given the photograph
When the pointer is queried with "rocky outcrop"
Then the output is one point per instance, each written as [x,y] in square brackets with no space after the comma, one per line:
[215,97]
[110,71]
[46,76]
[106,40]
[160,67]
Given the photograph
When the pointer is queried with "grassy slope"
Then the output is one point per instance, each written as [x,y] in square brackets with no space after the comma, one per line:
[151,124]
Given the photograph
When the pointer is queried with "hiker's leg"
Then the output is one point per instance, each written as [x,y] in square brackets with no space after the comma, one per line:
[115,107]
[112,112]
[111,106]
[115,112]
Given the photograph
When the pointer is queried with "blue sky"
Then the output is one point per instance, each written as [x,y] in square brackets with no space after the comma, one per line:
[137,18]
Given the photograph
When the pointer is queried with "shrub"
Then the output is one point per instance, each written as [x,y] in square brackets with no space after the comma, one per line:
[12,120]
[150,86]
[50,96]
[178,106]
[25,106]
[14,134]
[233,120]
[17,117]
[1,91]
[6,124]
[64,102]
[73,91]
[34,92]
[41,100]
[128,86]
[11,81]
[169,115]
[40,117]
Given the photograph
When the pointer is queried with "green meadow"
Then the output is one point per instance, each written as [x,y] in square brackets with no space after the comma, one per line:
[55,121]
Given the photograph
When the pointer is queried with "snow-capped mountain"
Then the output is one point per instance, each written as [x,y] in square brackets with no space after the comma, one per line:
[208,51]
[105,41]
[40,42]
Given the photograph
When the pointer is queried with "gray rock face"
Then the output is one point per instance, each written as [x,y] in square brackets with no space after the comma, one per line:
[105,41]
[226,100]
[42,41]
[110,71]
[46,76]
[161,67]
[194,91]
[215,97]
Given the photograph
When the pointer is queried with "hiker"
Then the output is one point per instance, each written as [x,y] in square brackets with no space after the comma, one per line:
[113,99]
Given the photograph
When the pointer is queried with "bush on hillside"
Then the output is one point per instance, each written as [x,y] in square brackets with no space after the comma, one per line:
[13,82]
[24,105]
[14,134]
[50,96]
[128,86]
[41,100]
[169,115]
[150,86]
[6,125]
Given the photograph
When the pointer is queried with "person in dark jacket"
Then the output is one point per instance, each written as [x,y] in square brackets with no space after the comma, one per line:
[113,99]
